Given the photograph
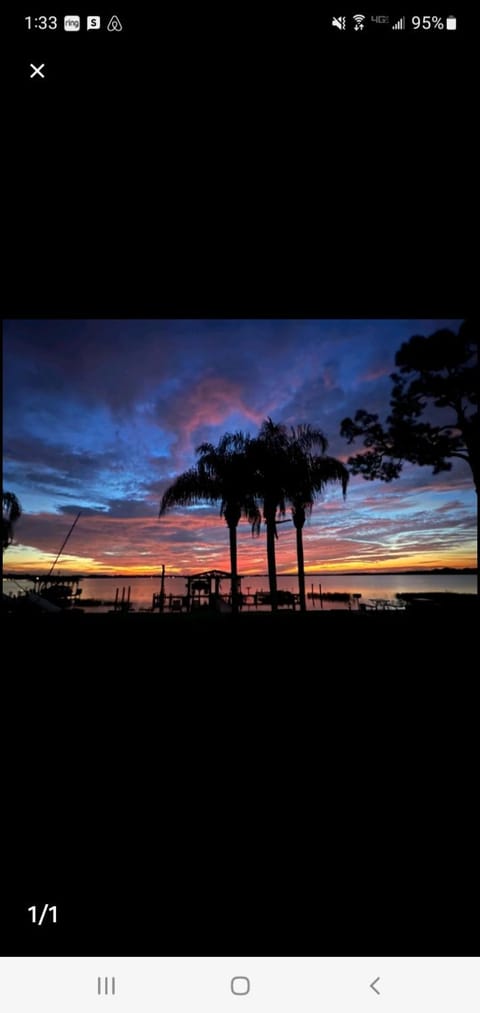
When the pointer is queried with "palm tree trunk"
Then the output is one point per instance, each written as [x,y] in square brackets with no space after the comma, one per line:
[301,567]
[272,570]
[232,531]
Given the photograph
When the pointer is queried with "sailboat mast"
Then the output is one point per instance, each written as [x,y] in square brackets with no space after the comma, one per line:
[64,544]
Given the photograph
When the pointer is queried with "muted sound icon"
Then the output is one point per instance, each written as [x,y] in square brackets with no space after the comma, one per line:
[106,986]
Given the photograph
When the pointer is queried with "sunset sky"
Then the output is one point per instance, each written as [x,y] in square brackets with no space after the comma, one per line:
[101,416]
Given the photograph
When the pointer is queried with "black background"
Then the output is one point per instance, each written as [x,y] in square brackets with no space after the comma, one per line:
[240,166]
[285,803]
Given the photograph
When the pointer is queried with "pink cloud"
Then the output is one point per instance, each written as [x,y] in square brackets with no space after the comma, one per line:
[208,403]
[375,373]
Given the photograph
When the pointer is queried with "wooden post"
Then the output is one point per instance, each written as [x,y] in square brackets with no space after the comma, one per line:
[313,597]
[162,589]
[320,593]
[116,601]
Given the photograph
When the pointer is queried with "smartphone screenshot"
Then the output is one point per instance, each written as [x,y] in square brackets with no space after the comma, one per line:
[240,473]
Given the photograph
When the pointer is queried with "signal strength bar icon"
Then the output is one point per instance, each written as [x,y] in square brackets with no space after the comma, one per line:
[399,25]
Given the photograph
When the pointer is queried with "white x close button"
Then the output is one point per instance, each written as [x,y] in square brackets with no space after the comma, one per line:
[37,70]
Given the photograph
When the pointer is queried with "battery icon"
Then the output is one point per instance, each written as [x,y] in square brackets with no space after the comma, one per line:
[451,23]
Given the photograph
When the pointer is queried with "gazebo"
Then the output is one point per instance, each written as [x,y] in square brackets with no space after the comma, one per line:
[204,588]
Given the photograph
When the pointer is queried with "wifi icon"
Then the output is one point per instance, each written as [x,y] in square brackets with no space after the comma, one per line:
[359,19]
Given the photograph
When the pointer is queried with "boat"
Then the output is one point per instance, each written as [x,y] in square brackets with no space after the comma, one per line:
[49,594]
[61,591]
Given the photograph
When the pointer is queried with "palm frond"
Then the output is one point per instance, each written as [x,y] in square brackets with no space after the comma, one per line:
[189,489]
[329,469]
[11,506]
[308,438]
[11,512]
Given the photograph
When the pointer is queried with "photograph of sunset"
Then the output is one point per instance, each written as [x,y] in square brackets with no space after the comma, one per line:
[101,417]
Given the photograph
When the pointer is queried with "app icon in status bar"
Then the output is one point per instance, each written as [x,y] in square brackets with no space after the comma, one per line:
[114,25]
[71,23]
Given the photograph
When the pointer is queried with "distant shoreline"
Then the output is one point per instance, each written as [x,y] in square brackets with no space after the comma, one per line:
[438,572]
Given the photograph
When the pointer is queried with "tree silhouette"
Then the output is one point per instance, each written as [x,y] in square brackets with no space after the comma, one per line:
[308,472]
[221,475]
[291,468]
[434,409]
[267,454]
[11,512]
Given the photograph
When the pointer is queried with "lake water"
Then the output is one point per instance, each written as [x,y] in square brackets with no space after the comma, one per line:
[373,586]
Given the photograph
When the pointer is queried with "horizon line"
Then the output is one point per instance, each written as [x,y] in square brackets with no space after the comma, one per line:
[473,570]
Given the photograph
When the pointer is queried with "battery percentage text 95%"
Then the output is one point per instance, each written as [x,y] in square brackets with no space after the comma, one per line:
[427,21]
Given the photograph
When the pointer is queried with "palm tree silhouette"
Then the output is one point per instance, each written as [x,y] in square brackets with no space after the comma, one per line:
[268,454]
[308,472]
[221,475]
[11,511]
[291,468]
